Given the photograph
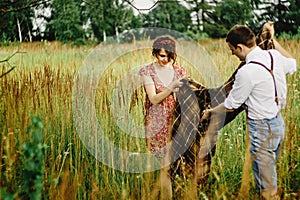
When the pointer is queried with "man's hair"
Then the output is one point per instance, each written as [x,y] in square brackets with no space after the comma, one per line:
[241,34]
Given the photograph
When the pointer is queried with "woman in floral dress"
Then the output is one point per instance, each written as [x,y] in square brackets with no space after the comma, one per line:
[161,80]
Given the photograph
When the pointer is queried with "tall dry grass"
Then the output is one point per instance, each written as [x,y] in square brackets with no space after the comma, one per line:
[41,85]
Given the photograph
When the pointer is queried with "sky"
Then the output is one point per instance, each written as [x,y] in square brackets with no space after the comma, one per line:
[143,4]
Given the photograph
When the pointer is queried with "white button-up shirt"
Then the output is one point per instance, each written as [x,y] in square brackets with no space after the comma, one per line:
[254,85]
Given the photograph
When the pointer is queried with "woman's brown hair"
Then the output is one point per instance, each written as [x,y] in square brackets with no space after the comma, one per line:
[166,43]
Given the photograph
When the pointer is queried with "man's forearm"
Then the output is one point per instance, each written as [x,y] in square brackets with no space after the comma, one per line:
[220,109]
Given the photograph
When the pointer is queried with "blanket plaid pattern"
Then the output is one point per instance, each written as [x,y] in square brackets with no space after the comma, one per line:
[194,142]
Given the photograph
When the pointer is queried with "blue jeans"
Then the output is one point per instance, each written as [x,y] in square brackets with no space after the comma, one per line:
[266,137]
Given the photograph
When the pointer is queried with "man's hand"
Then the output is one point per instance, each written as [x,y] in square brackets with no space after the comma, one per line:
[218,110]
[205,114]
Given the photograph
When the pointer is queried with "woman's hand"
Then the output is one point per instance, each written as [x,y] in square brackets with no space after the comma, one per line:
[156,98]
[269,26]
[175,84]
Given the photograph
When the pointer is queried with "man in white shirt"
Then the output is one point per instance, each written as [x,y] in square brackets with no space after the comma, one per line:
[264,96]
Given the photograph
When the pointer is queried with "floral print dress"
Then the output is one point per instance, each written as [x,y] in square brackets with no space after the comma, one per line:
[158,119]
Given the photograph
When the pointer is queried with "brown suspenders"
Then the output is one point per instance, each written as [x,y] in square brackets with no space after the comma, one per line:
[271,72]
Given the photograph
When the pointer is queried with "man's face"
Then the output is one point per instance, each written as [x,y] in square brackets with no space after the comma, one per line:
[238,51]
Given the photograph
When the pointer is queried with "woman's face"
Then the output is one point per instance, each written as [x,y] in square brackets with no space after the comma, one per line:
[162,57]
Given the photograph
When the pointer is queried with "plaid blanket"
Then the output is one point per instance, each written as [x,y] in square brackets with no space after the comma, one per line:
[194,142]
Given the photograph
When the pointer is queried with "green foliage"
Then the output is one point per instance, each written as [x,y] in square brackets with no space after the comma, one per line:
[215,30]
[12,15]
[197,35]
[66,23]
[79,42]
[78,21]
[292,16]
[227,14]
[33,151]
[170,15]
[285,14]
[290,36]
[31,167]
[4,40]
[5,195]
[109,18]
[201,12]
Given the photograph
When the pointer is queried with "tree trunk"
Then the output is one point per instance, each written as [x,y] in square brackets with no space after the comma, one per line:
[104,36]
[117,34]
[29,33]
[19,30]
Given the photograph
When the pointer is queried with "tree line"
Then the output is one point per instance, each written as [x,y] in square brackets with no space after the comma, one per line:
[94,20]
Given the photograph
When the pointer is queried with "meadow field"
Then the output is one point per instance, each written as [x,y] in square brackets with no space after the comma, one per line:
[44,157]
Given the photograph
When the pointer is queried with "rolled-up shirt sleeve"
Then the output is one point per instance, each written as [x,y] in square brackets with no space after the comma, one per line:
[290,66]
[241,90]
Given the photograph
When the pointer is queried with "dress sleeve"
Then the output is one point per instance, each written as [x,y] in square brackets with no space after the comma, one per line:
[181,71]
[145,74]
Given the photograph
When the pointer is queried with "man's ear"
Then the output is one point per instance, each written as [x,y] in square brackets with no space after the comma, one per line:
[240,46]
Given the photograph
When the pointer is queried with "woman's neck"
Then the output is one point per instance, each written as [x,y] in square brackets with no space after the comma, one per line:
[168,65]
